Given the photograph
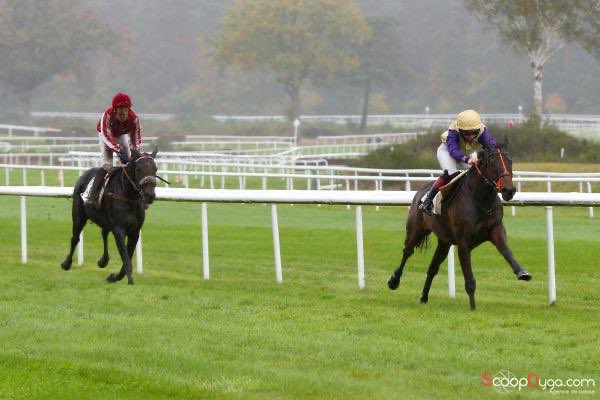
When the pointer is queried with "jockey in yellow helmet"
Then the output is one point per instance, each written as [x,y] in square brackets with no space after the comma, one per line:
[458,150]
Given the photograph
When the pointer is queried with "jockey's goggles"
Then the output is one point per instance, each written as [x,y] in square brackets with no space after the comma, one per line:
[473,132]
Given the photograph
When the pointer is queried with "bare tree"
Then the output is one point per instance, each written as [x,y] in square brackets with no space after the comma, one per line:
[540,28]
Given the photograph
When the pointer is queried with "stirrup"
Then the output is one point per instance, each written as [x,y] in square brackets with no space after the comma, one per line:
[426,206]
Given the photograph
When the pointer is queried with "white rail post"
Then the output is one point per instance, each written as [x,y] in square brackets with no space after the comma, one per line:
[23,230]
[589,186]
[451,275]
[359,248]
[80,249]
[550,246]
[205,260]
[514,209]
[164,168]
[138,255]
[276,248]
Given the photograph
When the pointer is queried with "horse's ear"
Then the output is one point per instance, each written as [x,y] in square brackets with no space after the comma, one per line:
[136,154]
[153,155]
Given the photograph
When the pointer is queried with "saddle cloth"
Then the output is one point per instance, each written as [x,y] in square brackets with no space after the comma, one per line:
[86,193]
[444,190]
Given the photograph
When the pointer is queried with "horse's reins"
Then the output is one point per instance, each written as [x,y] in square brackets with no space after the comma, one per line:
[496,183]
[138,186]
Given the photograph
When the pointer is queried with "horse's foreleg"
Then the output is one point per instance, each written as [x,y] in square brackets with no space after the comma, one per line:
[464,255]
[103,261]
[79,222]
[441,252]
[132,240]
[120,241]
[498,238]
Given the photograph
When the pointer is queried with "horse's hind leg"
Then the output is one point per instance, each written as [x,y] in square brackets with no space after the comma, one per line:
[103,261]
[79,221]
[415,234]
[120,240]
[498,238]
[441,252]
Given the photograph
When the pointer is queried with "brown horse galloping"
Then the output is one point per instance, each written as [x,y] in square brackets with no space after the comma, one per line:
[472,217]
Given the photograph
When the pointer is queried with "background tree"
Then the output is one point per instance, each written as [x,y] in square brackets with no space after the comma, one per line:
[380,59]
[42,39]
[540,28]
[295,40]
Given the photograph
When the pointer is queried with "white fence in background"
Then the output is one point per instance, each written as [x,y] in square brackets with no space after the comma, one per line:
[273,197]
[574,123]
[212,142]
[11,129]
[341,146]
[96,116]
[53,143]
[311,177]
[379,138]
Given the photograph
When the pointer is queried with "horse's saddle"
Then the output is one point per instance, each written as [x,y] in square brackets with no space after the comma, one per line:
[88,189]
[446,192]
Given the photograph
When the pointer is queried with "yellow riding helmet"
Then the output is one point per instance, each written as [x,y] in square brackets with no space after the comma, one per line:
[468,120]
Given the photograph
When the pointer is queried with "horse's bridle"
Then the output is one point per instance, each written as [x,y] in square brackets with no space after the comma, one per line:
[496,183]
[145,180]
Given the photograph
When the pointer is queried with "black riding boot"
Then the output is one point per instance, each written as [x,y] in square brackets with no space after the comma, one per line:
[95,191]
[427,205]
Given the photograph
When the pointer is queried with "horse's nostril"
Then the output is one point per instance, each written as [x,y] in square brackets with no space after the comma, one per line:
[508,194]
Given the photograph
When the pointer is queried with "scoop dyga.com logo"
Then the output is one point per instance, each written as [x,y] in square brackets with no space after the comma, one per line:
[505,381]
[502,381]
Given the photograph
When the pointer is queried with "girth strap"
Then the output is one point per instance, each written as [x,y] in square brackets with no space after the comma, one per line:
[120,197]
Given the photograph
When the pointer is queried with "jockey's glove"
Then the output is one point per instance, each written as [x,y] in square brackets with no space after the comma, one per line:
[123,157]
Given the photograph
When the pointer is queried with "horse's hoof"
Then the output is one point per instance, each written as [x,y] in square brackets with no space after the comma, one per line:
[393,282]
[130,282]
[103,262]
[66,265]
[524,276]
[424,300]
[111,278]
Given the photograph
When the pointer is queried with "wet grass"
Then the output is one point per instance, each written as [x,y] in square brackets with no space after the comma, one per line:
[241,335]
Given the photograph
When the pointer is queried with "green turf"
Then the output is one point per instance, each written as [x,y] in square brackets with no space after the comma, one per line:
[240,335]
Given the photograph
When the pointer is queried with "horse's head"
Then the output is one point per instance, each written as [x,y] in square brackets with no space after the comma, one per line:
[145,174]
[495,166]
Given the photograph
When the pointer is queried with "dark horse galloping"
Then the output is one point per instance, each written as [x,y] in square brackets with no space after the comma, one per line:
[473,216]
[126,197]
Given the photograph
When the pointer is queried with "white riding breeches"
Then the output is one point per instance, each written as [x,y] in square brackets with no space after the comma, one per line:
[106,152]
[447,162]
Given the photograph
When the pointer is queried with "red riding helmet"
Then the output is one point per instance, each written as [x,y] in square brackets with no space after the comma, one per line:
[121,100]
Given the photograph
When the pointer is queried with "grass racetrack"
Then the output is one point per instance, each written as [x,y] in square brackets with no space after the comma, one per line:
[240,335]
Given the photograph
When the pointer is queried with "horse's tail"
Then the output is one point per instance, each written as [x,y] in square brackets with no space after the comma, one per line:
[423,243]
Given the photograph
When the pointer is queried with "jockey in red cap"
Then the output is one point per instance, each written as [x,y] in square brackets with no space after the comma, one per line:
[119,132]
